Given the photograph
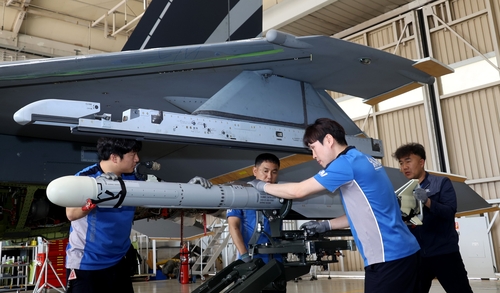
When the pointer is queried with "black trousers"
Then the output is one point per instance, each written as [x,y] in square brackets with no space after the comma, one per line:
[112,279]
[450,271]
[393,276]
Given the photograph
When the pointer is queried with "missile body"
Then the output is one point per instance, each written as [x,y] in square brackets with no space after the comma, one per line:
[73,191]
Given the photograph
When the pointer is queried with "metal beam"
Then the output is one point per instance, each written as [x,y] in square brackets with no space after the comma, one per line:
[20,16]
[384,17]
[115,31]
[18,22]
[50,48]
[429,11]
[127,25]
[112,10]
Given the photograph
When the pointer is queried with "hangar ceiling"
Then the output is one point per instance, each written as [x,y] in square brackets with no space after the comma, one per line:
[50,28]
[324,17]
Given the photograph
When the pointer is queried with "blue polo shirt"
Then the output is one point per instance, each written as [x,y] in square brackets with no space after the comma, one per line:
[248,219]
[371,206]
[100,239]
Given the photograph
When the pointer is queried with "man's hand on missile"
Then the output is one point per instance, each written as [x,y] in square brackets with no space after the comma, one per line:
[420,194]
[109,176]
[88,206]
[200,180]
[259,185]
[313,227]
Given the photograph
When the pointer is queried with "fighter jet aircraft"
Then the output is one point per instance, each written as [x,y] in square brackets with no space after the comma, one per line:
[203,109]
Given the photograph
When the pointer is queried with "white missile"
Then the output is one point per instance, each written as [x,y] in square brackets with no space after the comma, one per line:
[73,191]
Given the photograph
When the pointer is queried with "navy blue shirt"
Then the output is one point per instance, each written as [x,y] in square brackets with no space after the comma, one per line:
[438,234]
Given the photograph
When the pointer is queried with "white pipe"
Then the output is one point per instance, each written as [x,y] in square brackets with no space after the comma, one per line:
[154,256]
[490,225]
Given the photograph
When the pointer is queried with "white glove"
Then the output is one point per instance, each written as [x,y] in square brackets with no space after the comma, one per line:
[109,176]
[259,185]
[200,180]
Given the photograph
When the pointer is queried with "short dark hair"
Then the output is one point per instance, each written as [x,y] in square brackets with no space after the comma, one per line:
[320,128]
[267,157]
[118,146]
[408,149]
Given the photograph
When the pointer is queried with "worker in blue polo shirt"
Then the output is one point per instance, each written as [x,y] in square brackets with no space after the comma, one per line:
[388,248]
[243,223]
[99,237]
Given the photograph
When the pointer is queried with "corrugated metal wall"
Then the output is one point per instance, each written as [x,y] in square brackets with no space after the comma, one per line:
[394,133]
[458,31]
[469,19]
[473,132]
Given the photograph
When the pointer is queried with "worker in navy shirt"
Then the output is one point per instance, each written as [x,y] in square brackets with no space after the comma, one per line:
[99,237]
[388,249]
[439,255]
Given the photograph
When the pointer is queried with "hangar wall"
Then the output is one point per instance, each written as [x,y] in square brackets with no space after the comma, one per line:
[459,33]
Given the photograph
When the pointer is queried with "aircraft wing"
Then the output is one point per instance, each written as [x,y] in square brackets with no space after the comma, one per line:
[321,61]
[157,78]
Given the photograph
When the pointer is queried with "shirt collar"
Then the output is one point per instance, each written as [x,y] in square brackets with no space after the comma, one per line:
[345,151]
[342,153]
[425,183]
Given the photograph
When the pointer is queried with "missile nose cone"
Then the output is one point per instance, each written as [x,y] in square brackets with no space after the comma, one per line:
[71,191]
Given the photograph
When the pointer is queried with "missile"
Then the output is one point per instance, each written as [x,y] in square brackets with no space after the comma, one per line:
[73,191]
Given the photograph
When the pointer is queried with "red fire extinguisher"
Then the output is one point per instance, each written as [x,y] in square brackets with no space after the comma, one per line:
[184,257]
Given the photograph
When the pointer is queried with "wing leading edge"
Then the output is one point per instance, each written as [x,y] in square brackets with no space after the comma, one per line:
[323,62]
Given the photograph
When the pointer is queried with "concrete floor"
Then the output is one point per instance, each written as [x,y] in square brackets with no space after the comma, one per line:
[336,284]
[323,284]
